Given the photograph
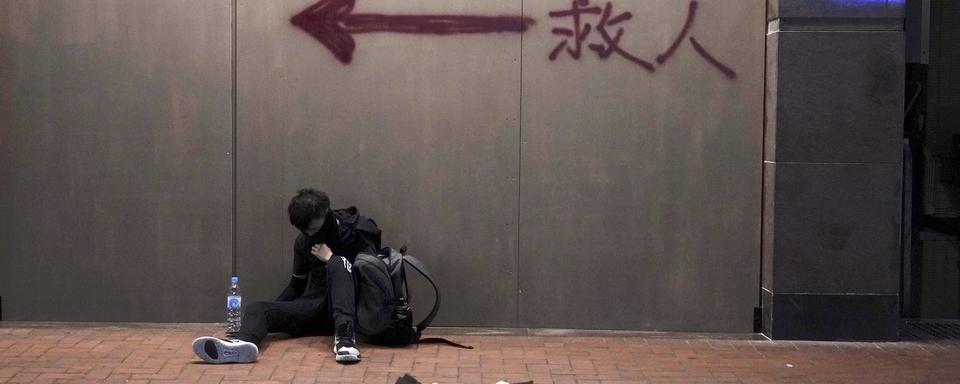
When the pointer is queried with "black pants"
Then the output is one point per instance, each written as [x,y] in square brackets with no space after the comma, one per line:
[307,315]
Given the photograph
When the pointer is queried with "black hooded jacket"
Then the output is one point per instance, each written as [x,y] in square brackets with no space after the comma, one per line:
[347,233]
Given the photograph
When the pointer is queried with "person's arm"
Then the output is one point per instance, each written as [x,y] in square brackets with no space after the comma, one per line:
[298,282]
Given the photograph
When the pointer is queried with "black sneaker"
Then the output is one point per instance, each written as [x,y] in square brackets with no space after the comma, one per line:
[219,351]
[345,344]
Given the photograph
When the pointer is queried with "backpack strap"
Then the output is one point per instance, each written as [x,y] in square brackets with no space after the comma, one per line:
[440,340]
[422,269]
[417,265]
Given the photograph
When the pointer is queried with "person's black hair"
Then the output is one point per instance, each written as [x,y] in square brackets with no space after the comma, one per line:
[307,205]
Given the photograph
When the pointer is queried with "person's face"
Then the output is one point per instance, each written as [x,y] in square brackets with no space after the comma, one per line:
[314,226]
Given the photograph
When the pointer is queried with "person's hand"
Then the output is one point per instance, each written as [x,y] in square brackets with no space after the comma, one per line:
[322,252]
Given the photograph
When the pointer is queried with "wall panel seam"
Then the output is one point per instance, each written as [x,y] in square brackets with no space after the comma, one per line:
[519,177]
[233,138]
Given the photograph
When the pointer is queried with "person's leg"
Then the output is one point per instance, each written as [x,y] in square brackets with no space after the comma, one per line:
[341,290]
[293,317]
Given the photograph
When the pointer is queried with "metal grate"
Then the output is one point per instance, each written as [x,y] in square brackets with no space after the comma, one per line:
[924,330]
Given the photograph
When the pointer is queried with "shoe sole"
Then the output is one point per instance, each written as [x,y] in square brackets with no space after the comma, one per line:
[216,351]
[347,358]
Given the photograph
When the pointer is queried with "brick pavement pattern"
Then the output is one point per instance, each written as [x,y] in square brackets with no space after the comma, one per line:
[144,353]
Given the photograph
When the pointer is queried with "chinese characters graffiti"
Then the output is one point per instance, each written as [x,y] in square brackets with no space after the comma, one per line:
[576,36]
[581,30]
[691,14]
[597,28]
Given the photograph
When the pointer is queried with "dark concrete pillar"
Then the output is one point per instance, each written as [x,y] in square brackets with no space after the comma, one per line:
[832,166]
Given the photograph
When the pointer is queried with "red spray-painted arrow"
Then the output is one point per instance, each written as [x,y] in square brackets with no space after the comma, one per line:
[331,22]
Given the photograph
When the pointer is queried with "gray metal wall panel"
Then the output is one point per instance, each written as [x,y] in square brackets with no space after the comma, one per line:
[114,133]
[640,192]
[420,132]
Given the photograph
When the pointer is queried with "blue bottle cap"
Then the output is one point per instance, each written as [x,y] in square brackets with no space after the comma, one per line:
[234,280]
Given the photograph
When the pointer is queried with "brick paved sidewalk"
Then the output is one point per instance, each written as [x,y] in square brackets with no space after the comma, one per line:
[155,353]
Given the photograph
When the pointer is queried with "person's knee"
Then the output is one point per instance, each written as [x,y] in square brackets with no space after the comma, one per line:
[338,264]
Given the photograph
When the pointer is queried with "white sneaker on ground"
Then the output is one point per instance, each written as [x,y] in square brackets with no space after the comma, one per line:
[219,351]
[345,344]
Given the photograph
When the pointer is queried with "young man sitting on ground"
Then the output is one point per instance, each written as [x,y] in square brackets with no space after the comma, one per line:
[321,295]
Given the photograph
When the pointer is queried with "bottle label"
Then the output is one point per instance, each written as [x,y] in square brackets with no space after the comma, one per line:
[233,302]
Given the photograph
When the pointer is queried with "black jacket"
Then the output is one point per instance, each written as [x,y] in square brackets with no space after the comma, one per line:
[347,233]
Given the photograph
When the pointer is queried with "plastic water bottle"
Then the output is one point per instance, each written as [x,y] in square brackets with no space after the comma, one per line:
[233,307]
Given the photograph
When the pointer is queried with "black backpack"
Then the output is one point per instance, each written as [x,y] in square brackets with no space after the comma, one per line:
[383,299]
